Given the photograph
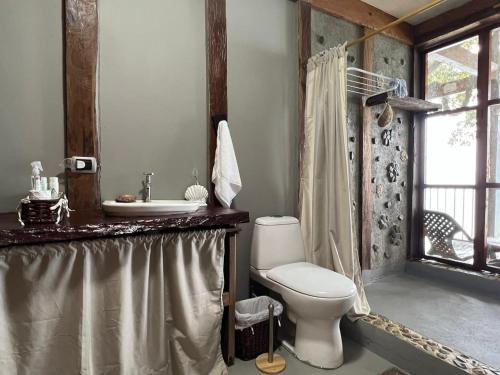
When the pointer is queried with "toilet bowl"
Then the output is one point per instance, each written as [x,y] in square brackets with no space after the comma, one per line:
[316,297]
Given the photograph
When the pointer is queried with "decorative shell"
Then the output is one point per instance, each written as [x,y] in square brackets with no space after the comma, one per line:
[196,193]
[386,137]
[403,156]
[392,172]
[386,116]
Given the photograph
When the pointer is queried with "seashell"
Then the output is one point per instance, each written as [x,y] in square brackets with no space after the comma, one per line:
[386,116]
[403,156]
[386,137]
[196,193]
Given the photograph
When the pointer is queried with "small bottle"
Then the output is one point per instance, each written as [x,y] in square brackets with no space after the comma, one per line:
[54,187]
[43,182]
[36,182]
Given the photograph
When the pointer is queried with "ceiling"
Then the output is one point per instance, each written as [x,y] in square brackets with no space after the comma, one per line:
[402,7]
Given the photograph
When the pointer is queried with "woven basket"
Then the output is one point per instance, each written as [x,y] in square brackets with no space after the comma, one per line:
[38,211]
[250,344]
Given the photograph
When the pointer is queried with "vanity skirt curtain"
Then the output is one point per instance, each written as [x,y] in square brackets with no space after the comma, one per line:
[137,305]
[325,197]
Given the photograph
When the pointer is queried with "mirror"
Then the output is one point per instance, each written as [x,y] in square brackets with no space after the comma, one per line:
[31,94]
[152,95]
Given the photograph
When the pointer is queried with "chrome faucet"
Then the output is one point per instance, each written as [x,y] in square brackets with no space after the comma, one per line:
[147,186]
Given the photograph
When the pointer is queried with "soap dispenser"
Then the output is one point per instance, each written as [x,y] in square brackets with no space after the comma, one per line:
[36,181]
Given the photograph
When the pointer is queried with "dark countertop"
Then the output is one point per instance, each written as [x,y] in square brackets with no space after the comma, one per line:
[95,224]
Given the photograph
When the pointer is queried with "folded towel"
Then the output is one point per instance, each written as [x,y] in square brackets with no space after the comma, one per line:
[400,88]
[225,174]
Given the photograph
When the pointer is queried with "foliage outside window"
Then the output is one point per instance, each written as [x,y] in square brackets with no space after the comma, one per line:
[458,139]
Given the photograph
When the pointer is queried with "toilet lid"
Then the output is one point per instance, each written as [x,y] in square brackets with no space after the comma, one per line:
[312,280]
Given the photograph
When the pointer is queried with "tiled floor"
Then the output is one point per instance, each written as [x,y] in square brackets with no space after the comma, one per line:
[453,316]
[357,361]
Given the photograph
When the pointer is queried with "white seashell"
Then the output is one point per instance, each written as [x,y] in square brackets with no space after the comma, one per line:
[196,193]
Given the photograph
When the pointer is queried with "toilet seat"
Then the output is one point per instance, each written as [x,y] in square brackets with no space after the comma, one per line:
[312,280]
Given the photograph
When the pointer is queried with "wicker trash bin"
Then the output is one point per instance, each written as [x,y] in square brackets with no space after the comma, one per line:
[252,326]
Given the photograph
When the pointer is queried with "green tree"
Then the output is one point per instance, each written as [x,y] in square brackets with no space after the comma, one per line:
[441,73]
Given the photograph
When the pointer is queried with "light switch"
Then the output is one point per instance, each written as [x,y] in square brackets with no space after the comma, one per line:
[83,164]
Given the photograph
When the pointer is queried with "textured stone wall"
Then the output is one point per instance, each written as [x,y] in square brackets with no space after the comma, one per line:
[392,59]
[390,199]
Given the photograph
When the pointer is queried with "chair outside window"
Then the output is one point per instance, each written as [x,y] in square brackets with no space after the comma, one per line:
[442,230]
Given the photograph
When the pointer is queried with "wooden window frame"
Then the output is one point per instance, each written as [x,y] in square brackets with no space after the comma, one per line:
[481,185]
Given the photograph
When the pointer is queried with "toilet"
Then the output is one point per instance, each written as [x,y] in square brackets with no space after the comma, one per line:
[316,298]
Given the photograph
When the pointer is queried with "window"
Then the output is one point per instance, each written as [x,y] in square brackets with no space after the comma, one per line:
[461,153]
[452,74]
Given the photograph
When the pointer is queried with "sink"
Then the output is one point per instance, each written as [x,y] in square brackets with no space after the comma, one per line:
[153,208]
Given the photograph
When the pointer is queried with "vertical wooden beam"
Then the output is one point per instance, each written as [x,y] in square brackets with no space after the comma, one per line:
[216,80]
[80,89]
[366,166]
[304,42]
[480,250]
[416,163]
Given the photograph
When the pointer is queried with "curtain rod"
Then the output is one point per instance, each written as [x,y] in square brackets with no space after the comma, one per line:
[395,22]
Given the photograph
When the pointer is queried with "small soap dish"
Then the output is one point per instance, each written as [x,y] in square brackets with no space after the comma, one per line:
[126,198]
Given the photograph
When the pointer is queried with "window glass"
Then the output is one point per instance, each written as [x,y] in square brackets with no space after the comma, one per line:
[449,223]
[450,149]
[494,143]
[493,227]
[494,63]
[452,74]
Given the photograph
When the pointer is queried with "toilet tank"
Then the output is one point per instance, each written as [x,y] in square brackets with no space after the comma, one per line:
[277,240]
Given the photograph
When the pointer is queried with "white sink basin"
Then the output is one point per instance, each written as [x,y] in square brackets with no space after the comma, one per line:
[153,208]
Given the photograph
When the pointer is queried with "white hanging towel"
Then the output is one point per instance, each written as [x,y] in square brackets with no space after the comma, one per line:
[225,174]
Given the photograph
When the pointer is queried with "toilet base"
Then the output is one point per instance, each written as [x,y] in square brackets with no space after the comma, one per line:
[318,343]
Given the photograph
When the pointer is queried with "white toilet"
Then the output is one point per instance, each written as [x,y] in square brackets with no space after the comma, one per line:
[316,297]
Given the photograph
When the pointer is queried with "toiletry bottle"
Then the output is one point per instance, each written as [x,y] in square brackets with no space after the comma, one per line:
[36,182]
[54,187]
[43,181]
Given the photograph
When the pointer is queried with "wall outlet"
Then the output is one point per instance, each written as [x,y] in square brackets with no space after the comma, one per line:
[83,164]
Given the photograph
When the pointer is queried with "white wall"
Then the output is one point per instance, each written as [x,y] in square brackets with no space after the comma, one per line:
[31,94]
[152,90]
[262,100]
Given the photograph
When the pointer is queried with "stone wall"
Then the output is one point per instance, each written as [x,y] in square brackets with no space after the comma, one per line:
[390,199]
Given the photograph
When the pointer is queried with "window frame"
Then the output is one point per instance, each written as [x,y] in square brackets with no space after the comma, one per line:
[481,184]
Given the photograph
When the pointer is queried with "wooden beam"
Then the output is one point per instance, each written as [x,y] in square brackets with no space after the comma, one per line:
[416,164]
[81,138]
[216,80]
[483,80]
[366,166]
[363,14]
[469,17]
[304,41]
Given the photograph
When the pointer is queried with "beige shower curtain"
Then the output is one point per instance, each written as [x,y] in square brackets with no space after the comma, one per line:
[137,305]
[325,197]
